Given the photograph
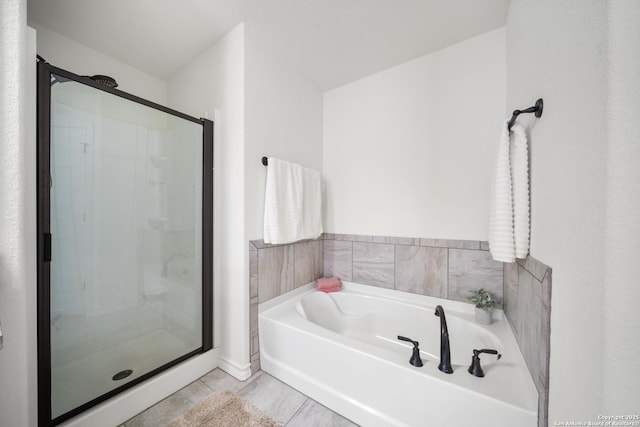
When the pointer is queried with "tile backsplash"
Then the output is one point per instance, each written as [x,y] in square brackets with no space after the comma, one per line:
[275,270]
[527,304]
[435,267]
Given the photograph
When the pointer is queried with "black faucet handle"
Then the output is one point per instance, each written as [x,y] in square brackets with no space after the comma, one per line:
[415,359]
[415,343]
[475,368]
[488,351]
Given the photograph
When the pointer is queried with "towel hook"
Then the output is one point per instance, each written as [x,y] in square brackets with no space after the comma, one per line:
[265,161]
[537,109]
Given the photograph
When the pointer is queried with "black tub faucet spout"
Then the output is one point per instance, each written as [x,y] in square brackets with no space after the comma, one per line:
[445,351]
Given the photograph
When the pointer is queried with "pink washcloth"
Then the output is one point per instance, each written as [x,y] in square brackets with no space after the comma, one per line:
[328,284]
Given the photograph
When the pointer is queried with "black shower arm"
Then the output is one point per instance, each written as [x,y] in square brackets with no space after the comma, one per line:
[537,109]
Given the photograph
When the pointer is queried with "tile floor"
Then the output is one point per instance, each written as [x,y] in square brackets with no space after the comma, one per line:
[282,403]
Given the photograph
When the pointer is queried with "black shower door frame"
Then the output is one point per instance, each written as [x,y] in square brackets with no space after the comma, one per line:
[43,159]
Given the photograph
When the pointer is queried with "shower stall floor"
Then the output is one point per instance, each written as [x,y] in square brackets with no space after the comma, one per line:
[83,379]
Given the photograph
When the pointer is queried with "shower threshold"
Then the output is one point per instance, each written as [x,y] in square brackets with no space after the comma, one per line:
[93,375]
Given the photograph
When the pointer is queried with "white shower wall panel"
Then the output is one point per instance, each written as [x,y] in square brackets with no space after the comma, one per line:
[115,223]
[105,189]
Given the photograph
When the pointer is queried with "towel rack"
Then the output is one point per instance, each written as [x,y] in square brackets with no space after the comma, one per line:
[265,161]
[537,109]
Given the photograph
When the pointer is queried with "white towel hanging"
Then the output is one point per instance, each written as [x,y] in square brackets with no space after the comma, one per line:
[501,239]
[293,203]
[509,217]
[520,183]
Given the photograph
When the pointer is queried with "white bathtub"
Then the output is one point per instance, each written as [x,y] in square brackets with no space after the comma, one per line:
[341,350]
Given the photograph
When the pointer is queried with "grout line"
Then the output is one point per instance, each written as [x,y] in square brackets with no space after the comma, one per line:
[321,260]
[448,274]
[293,261]
[246,382]
[205,384]
[394,267]
[257,274]
[352,278]
[299,409]
[251,331]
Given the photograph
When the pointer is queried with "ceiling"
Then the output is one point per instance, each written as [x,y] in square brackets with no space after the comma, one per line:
[332,42]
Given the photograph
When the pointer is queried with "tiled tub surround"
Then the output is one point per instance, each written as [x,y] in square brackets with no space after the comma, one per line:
[438,268]
[275,270]
[434,267]
[527,304]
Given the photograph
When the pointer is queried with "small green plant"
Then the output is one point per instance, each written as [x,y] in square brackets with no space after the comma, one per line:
[484,299]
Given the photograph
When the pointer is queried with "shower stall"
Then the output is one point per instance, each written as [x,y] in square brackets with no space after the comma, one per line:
[125,191]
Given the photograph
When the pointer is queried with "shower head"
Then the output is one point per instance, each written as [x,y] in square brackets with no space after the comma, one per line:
[98,78]
[105,80]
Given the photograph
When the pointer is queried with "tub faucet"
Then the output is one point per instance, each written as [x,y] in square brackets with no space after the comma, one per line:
[445,351]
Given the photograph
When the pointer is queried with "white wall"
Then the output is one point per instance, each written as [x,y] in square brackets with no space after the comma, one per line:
[65,53]
[283,120]
[409,151]
[18,383]
[621,347]
[265,108]
[215,81]
[581,57]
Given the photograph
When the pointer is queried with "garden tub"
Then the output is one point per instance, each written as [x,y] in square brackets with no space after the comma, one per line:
[341,349]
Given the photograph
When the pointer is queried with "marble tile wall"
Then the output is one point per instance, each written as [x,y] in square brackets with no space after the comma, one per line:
[435,267]
[527,304]
[275,270]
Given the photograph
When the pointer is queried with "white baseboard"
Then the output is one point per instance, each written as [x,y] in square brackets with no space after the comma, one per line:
[241,372]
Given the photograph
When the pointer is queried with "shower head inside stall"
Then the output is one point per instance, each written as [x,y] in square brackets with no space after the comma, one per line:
[105,80]
[98,78]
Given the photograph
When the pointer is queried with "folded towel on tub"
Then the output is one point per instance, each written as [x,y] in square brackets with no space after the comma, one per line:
[328,284]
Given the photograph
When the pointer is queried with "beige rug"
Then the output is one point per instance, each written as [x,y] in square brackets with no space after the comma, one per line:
[223,408]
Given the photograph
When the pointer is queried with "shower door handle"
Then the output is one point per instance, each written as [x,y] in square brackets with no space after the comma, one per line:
[1,337]
[47,247]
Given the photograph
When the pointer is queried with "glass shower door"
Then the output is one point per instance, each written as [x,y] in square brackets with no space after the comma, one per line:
[127,206]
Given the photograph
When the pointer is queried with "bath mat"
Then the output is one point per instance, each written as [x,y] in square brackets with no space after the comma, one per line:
[223,408]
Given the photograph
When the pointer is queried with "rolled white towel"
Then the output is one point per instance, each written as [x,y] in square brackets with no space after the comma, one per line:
[520,183]
[501,238]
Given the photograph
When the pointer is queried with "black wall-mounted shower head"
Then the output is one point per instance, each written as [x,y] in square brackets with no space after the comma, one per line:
[105,80]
